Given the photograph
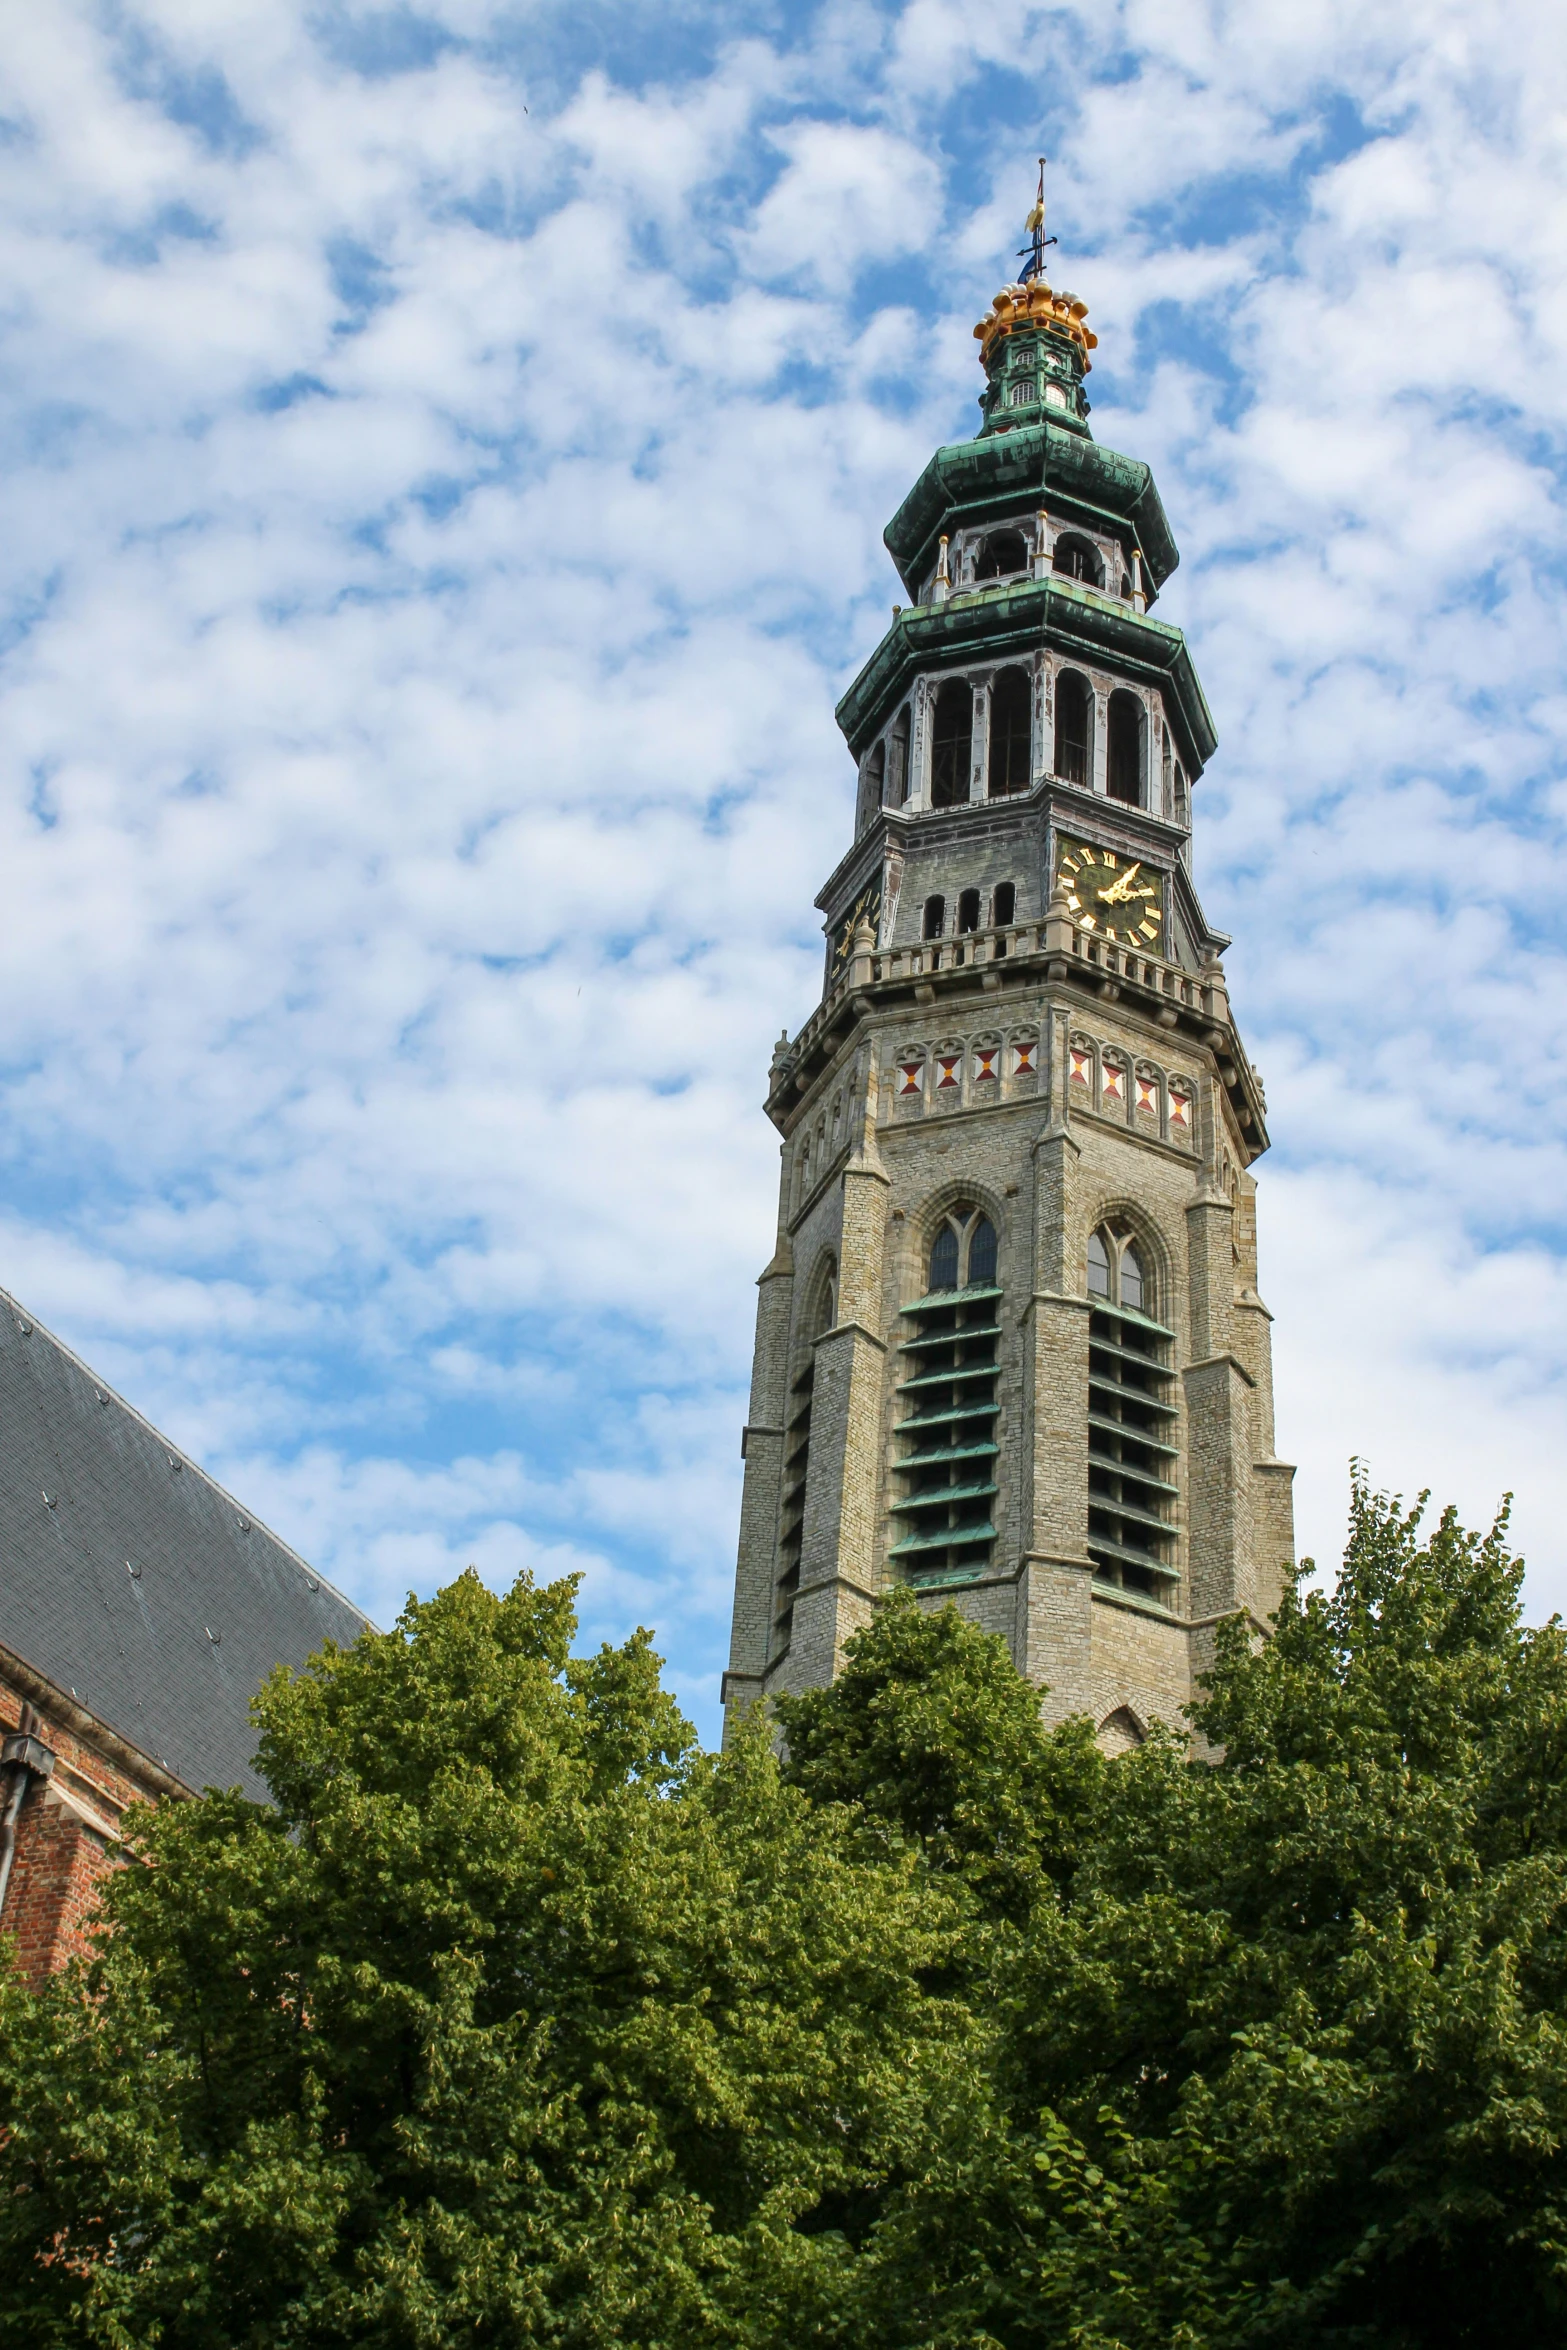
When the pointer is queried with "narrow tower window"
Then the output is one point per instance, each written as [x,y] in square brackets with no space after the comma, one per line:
[935,916]
[1124,748]
[1132,1456]
[982,1254]
[898,763]
[944,1259]
[968,910]
[952,745]
[1072,725]
[1074,558]
[950,1372]
[1006,903]
[1003,553]
[1011,733]
[797,1458]
[875,783]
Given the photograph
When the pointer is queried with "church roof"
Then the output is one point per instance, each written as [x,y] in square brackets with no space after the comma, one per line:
[131,1579]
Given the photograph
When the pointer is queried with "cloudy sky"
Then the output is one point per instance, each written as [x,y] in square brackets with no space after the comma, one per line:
[446,450]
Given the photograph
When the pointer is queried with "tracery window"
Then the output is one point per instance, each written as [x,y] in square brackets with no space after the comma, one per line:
[945,1511]
[1132,1419]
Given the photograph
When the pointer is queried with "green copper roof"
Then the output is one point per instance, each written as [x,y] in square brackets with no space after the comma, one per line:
[988,623]
[972,482]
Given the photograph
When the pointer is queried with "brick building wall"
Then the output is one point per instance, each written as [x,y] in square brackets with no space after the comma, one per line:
[66,1781]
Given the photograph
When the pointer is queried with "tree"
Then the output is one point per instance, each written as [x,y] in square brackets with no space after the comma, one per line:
[515,2020]
[1303,2004]
[512,2019]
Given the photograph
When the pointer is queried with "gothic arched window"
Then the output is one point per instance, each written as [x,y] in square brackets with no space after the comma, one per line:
[1003,553]
[935,916]
[1074,706]
[944,1259]
[1011,733]
[950,1408]
[982,1254]
[952,745]
[1124,748]
[1132,1421]
[1074,558]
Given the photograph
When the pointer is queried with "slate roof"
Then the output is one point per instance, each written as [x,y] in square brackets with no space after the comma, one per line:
[170,1656]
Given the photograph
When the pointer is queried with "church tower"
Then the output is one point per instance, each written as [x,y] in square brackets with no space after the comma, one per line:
[1010,1349]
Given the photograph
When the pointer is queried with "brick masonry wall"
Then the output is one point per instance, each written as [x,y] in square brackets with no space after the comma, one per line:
[61,1856]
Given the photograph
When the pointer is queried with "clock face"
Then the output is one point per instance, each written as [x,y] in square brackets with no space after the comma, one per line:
[866,908]
[1119,897]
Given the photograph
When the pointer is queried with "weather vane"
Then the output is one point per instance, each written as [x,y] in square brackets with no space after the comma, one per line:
[1034,251]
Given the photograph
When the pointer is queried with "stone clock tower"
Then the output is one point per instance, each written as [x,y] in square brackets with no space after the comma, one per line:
[1010,1349]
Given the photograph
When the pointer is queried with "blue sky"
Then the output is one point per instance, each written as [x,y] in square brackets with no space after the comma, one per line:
[447,451]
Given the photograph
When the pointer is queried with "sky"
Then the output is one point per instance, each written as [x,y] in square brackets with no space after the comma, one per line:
[446,450]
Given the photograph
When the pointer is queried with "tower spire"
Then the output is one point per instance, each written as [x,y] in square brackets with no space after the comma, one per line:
[1033,253]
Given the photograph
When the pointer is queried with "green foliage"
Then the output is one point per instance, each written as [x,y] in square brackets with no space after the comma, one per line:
[931,1732]
[516,2020]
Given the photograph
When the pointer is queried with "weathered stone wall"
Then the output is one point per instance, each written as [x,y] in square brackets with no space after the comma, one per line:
[927,1103]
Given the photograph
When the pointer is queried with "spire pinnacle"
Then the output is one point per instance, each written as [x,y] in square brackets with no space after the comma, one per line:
[1033,253]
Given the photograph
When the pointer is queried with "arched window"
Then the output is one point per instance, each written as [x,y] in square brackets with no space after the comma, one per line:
[952,745]
[1006,903]
[1132,1423]
[1011,733]
[968,910]
[1124,748]
[1022,395]
[1073,721]
[948,1391]
[1003,553]
[982,1255]
[1074,558]
[944,1259]
[1120,1732]
[1126,585]
[898,763]
[875,782]
[935,916]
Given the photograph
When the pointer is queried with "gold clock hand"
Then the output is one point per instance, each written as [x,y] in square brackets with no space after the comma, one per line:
[1118,890]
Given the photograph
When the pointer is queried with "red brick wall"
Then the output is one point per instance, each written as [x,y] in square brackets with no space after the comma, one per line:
[60,1859]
